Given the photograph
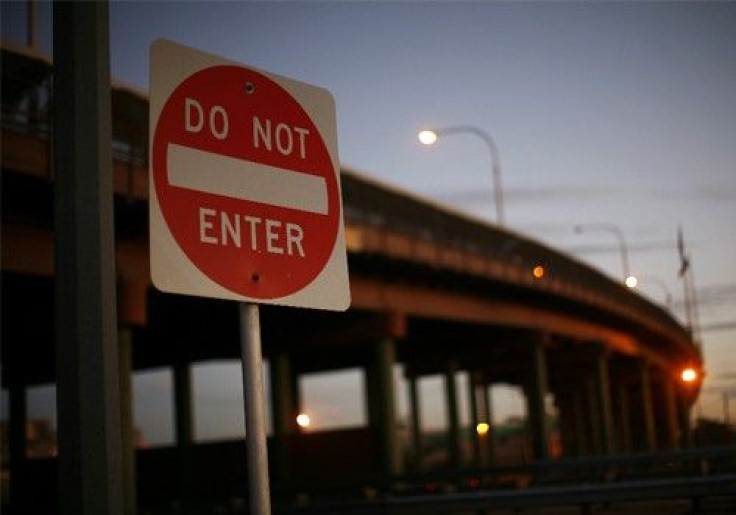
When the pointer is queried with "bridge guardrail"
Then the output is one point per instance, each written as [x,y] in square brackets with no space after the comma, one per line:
[692,474]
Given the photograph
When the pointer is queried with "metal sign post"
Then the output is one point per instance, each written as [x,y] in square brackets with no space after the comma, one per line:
[255,417]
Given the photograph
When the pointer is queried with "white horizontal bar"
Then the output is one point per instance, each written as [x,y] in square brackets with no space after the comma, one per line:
[199,170]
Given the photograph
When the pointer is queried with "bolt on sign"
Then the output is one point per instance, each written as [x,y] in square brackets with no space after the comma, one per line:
[245,199]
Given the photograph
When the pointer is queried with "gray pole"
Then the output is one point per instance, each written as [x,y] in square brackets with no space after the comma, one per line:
[613,229]
[88,387]
[255,416]
[495,163]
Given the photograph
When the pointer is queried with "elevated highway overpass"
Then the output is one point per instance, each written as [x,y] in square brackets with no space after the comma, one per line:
[434,292]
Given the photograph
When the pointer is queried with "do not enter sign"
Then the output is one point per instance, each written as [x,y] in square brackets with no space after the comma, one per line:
[244,184]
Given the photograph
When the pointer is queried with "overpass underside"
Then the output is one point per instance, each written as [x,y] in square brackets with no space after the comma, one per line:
[435,294]
[607,402]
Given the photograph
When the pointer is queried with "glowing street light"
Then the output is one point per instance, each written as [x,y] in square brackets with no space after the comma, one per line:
[303,420]
[629,279]
[430,137]
[689,375]
[482,428]
[538,272]
[427,137]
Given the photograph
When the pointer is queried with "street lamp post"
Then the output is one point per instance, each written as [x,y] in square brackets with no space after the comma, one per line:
[430,136]
[629,279]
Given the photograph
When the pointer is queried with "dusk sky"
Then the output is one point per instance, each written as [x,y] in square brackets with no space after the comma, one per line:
[623,113]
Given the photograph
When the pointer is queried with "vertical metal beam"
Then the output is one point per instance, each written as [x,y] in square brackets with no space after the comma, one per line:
[259,494]
[90,475]
[603,397]
[453,418]
[17,432]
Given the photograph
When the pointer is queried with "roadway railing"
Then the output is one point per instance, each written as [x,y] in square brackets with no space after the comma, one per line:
[584,497]
[372,204]
[691,475]
[696,462]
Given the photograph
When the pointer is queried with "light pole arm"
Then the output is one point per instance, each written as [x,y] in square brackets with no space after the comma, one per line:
[495,162]
[603,226]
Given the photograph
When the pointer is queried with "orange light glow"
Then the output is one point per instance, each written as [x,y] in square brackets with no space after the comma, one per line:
[689,375]
[538,271]
[482,429]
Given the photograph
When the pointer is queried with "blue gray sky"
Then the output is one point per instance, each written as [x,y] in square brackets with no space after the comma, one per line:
[620,112]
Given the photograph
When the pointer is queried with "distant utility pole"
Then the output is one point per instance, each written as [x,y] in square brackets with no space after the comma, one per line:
[727,407]
[685,273]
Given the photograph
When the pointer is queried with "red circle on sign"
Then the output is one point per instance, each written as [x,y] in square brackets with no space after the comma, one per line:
[250,247]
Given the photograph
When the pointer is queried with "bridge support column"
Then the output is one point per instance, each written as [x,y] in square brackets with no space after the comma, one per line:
[18,408]
[284,417]
[602,387]
[132,308]
[183,421]
[382,412]
[183,404]
[593,408]
[672,430]
[488,454]
[647,409]
[536,392]
[475,417]
[624,422]
[581,445]
[453,419]
[568,424]
[125,363]
[416,423]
